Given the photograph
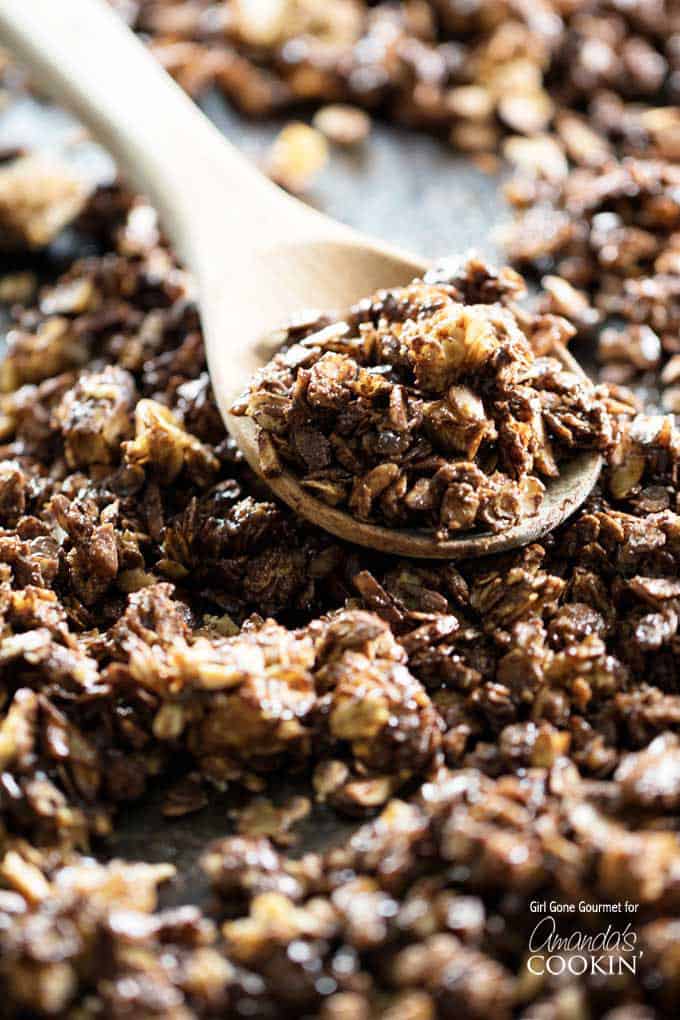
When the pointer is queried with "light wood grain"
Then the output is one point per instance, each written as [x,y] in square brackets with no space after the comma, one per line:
[259,256]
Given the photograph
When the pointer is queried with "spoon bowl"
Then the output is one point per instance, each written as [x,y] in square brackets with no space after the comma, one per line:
[259,256]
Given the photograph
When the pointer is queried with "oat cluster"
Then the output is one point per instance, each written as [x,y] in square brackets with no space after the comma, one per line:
[427,406]
[613,234]
[492,732]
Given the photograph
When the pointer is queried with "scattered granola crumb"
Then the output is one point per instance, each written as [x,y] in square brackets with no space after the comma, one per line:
[263,818]
[297,156]
[342,124]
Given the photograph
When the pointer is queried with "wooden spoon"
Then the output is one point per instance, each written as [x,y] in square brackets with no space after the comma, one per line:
[259,256]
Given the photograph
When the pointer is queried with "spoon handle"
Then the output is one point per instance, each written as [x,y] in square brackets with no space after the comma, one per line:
[85,57]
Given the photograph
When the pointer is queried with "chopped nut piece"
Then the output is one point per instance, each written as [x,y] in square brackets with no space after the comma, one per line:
[38,198]
[161,444]
[541,156]
[261,22]
[95,416]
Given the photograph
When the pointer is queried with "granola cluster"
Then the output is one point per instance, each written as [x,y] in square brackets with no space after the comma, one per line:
[482,735]
[614,235]
[427,406]
[476,73]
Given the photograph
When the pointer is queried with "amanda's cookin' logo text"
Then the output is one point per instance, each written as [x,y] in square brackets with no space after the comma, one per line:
[610,952]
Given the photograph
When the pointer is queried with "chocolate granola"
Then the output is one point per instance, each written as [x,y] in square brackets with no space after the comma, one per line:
[512,720]
[505,730]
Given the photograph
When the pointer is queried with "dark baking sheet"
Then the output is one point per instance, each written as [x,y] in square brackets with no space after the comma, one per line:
[409,189]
